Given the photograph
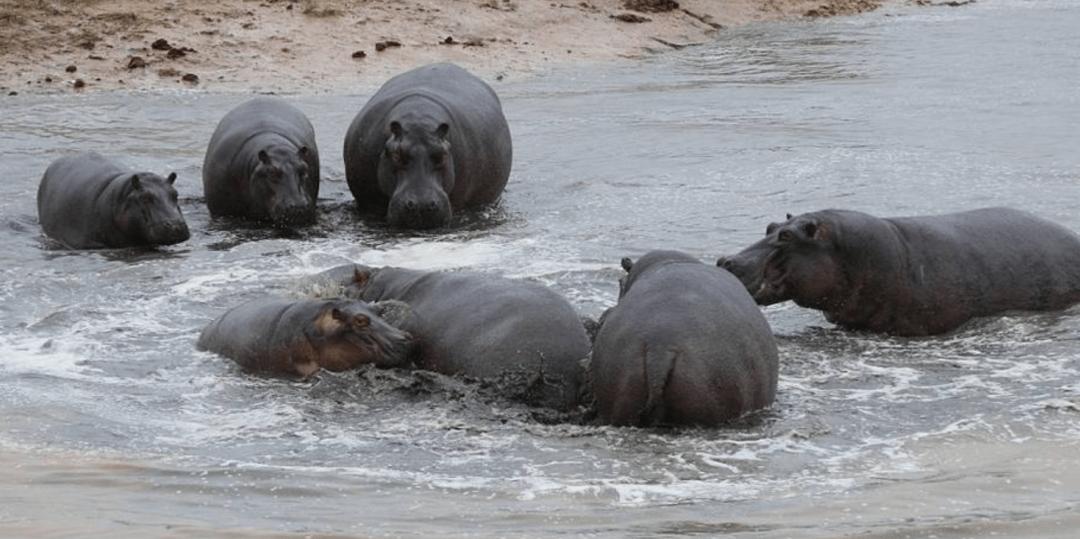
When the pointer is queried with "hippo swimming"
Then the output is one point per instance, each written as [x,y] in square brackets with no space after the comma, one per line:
[431,141]
[913,275]
[521,334]
[262,164]
[685,345]
[297,338]
[86,201]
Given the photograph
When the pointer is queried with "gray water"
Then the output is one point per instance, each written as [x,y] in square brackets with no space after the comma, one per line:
[113,425]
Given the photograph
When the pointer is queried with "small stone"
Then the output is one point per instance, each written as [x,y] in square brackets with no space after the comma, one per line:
[631,18]
[80,84]
[380,46]
[190,77]
[136,62]
[449,41]
[359,54]
[95,57]
[48,79]
[161,45]
[13,92]
[176,53]
[71,69]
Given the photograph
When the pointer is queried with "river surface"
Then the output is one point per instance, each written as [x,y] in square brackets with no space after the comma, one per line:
[113,425]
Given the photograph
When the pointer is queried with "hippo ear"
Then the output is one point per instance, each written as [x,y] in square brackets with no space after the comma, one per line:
[135,183]
[817,231]
[172,178]
[442,130]
[264,157]
[789,217]
[304,151]
[395,129]
[360,277]
[627,264]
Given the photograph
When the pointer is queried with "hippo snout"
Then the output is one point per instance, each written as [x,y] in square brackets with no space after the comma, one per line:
[294,214]
[417,213]
[169,233]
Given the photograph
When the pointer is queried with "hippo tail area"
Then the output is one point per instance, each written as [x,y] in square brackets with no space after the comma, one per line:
[659,364]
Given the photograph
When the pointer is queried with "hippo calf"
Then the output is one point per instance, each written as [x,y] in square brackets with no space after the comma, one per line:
[520,334]
[297,338]
[912,276]
[86,201]
[431,141]
[684,346]
[262,164]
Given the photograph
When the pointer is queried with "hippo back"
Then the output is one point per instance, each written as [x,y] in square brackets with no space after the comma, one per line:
[685,345]
[494,328]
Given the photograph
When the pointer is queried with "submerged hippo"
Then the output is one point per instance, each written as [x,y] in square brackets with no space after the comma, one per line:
[912,275]
[685,345]
[262,164]
[86,201]
[297,338]
[431,141]
[521,334]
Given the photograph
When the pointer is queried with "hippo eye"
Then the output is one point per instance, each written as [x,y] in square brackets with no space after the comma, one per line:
[785,235]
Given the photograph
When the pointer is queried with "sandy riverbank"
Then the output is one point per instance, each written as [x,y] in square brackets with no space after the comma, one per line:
[313,46]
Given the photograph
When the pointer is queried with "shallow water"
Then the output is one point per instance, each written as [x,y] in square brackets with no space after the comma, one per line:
[113,424]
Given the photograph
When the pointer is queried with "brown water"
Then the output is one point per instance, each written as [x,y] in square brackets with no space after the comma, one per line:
[114,426]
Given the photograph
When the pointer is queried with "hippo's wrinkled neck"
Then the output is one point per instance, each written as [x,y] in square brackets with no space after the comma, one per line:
[876,260]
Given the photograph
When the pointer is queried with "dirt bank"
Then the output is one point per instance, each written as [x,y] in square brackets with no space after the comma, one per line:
[313,46]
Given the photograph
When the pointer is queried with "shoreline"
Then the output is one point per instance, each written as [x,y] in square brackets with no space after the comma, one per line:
[335,46]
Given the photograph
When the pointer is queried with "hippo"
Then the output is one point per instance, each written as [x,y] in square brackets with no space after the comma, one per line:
[431,141]
[86,201]
[912,276]
[296,338]
[684,346]
[262,164]
[522,335]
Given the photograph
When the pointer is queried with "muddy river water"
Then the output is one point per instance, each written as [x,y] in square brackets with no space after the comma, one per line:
[111,423]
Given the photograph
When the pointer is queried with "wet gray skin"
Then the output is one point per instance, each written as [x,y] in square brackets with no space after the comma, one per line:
[86,201]
[298,338]
[262,164]
[685,346]
[520,335]
[913,275]
[431,141]
[124,429]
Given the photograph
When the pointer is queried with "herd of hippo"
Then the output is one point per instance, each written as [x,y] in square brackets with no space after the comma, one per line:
[686,343]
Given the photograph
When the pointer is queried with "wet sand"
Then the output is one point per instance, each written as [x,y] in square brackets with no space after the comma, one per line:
[341,46]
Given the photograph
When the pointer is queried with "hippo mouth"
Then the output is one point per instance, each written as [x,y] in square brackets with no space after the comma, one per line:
[391,350]
[772,284]
[168,233]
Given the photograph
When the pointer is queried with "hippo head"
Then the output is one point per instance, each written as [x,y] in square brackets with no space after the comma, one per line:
[348,333]
[797,260]
[280,183]
[416,170]
[149,213]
